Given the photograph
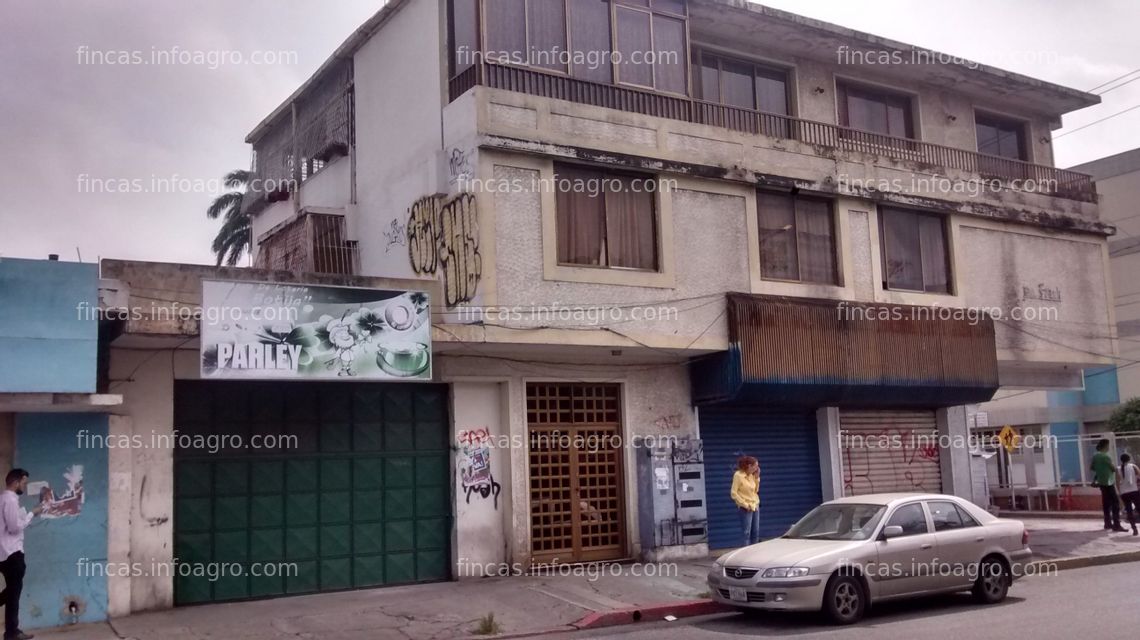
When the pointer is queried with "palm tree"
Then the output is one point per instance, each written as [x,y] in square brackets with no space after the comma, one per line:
[233,238]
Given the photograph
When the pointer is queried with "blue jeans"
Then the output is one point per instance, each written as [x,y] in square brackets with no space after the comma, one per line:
[749,526]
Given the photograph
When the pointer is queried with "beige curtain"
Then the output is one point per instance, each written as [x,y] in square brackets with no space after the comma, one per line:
[630,228]
[581,219]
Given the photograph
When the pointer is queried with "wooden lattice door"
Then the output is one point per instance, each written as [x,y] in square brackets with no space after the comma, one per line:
[577,497]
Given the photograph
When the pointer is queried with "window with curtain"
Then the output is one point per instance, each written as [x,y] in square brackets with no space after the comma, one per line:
[605,219]
[914,251]
[463,24]
[1000,137]
[652,44]
[797,238]
[875,110]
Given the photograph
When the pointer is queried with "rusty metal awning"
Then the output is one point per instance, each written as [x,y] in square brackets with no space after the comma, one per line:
[801,351]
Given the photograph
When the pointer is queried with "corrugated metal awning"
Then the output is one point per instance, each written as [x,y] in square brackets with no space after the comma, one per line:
[813,352]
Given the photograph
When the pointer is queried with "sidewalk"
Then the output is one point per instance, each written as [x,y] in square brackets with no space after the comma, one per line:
[521,605]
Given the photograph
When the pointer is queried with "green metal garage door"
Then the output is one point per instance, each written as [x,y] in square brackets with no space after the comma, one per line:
[356,495]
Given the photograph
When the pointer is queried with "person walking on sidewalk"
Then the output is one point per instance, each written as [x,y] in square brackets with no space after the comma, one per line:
[1129,491]
[746,495]
[13,521]
[1104,477]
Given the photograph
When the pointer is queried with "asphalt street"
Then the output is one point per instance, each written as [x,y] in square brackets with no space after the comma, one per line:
[1101,602]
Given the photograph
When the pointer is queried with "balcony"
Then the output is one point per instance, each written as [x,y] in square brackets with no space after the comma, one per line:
[1047,180]
[311,243]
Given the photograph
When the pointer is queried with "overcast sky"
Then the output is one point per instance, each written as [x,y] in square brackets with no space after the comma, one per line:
[72,130]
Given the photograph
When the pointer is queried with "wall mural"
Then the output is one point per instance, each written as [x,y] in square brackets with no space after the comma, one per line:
[475,465]
[443,239]
[68,503]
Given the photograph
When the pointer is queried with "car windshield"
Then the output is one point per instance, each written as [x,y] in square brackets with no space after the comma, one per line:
[838,522]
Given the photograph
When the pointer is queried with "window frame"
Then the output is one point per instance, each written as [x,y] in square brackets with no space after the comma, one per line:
[956,509]
[655,202]
[843,89]
[652,11]
[995,121]
[925,519]
[836,253]
[884,254]
[697,84]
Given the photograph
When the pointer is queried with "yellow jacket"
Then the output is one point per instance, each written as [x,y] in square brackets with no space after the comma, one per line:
[745,490]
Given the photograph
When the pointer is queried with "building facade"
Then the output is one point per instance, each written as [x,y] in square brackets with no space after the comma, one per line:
[50,412]
[656,236]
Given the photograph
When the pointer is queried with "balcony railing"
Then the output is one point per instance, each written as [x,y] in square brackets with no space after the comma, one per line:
[1035,177]
[312,243]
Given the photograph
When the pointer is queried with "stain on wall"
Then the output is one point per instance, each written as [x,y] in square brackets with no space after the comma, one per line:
[443,240]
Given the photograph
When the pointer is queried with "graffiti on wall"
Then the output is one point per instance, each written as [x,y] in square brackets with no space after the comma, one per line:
[458,165]
[913,463]
[395,234]
[443,239]
[67,504]
[475,465]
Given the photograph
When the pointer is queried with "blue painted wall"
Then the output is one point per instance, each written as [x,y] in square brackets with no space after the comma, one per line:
[1101,386]
[48,445]
[49,332]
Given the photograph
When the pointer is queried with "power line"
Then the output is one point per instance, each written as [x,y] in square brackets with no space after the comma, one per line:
[1118,113]
[1113,80]
[1118,86]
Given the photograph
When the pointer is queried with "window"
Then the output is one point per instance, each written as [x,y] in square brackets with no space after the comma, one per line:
[875,110]
[650,37]
[463,24]
[946,516]
[576,37]
[797,238]
[967,519]
[742,84]
[914,251]
[605,219]
[1000,137]
[911,518]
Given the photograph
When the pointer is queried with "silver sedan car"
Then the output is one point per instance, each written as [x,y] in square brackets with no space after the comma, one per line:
[849,553]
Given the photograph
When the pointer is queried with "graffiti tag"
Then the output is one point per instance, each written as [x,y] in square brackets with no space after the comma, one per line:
[475,465]
[443,238]
[395,234]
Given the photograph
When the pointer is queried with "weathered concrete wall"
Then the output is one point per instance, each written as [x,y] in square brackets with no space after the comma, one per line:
[482,467]
[145,377]
[1058,284]
[655,401]
[399,101]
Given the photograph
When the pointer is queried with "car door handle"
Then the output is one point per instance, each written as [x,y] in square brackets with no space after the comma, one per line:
[980,539]
[926,546]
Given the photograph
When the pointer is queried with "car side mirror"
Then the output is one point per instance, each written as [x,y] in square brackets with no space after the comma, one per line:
[892,531]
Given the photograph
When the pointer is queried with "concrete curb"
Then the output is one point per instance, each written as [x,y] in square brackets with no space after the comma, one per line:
[650,613]
[1080,562]
[617,617]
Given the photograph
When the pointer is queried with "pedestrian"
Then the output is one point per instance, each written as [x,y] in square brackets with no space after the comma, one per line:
[746,495]
[13,520]
[1104,477]
[1129,491]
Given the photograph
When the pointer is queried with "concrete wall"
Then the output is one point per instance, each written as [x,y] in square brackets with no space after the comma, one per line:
[399,101]
[482,502]
[145,377]
[655,402]
[48,326]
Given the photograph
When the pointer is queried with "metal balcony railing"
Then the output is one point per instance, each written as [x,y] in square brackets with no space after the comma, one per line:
[1019,175]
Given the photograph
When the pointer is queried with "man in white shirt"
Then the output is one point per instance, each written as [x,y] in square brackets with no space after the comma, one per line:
[1129,491]
[13,520]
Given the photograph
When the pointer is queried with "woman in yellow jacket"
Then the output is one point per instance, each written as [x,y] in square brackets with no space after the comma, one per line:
[746,495]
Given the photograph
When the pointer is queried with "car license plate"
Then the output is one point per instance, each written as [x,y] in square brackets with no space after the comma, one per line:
[737,594]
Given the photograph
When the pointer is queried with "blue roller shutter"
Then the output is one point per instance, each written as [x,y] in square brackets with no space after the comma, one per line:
[785,444]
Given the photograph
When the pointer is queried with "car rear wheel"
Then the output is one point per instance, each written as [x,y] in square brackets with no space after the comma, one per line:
[843,600]
[993,581]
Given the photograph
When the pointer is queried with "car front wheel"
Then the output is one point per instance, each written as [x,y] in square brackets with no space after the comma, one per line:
[843,600]
[993,581]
